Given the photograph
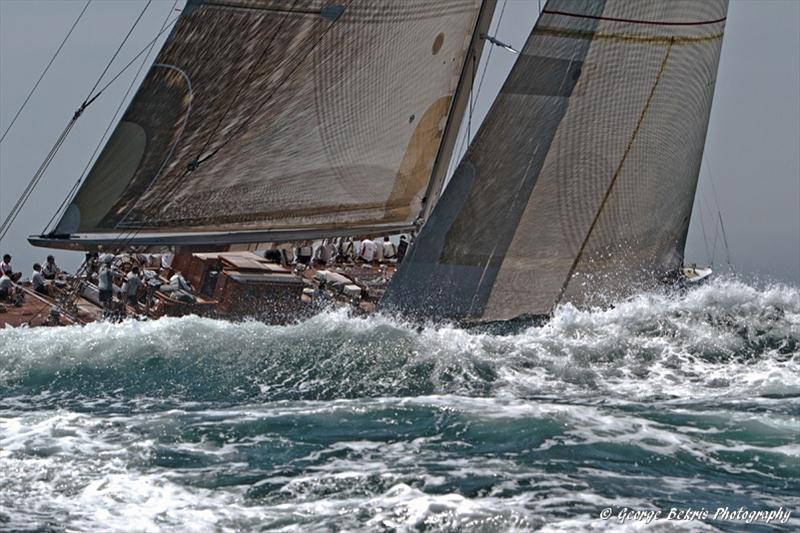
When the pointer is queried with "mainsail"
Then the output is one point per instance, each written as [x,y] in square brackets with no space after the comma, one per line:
[579,184]
[275,119]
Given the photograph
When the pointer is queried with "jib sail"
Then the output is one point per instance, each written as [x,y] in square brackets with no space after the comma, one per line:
[579,184]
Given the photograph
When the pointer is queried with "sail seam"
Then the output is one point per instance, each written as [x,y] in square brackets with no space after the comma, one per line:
[634,21]
[226,5]
[230,219]
[362,14]
[614,179]
[620,37]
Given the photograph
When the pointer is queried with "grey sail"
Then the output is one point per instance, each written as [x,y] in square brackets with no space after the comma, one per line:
[266,120]
[579,185]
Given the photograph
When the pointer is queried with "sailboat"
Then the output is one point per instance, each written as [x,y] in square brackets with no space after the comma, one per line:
[266,121]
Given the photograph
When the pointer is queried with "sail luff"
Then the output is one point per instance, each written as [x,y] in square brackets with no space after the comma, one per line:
[458,108]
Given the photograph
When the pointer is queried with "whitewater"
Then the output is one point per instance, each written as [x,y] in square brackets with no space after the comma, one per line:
[688,402]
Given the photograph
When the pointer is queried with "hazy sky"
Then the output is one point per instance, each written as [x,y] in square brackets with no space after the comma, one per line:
[750,171]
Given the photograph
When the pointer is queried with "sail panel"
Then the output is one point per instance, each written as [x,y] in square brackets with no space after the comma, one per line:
[267,115]
[579,184]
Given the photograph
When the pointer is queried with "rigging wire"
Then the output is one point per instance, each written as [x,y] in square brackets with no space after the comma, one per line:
[466,138]
[111,123]
[725,241]
[705,159]
[49,64]
[133,60]
[26,194]
[710,210]
[703,229]
[124,40]
[23,198]
[714,248]
[704,207]
[471,95]
[73,292]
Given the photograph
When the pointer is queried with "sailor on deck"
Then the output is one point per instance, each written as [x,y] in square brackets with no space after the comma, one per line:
[130,288]
[179,289]
[367,252]
[6,288]
[7,269]
[90,265]
[389,250]
[304,254]
[50,270]
[5,266]
[346,250]
[178,282]
[325,252]
[105,284]
[37,280]
[402,248]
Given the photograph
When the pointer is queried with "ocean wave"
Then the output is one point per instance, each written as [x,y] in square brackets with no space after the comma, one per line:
[442,463]
[726,338]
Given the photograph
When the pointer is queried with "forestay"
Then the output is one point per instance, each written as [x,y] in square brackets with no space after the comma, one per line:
[579,185]
[265,119]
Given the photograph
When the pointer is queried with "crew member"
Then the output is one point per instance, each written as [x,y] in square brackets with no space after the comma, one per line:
[91,265]
[325,252]
[130,288]
[322,297]
[6,288]
[389,249]
[105,283]
[367,252]
[402,248]
[304,254]
[6,268]
[178,282]
[273,255]
[37,279]
[346,250]
[50,270]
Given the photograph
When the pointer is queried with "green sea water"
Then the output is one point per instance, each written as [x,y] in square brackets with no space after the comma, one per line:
[687,403]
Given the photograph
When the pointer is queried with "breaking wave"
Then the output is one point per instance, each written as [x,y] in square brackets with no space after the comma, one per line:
[340,423]
[723,338]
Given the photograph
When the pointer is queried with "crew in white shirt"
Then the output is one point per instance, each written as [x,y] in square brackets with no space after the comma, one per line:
[37,279]
[367,252]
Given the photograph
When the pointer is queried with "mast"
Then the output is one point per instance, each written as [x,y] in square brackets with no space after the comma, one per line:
[458,108]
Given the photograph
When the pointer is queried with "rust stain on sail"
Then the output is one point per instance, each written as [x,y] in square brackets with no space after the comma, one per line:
[415,167]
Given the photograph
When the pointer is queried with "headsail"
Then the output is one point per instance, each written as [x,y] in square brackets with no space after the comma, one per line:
[264,119]
[580,182]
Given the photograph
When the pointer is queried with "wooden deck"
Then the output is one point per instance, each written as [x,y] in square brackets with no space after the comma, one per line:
[35,311]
